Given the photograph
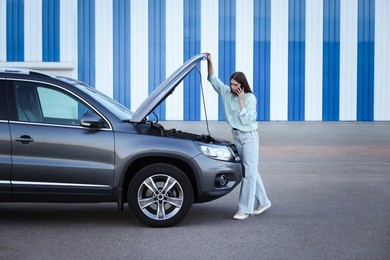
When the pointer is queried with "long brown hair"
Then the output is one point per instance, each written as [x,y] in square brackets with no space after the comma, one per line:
[240,78]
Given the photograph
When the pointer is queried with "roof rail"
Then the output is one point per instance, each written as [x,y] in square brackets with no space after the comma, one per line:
[24,71]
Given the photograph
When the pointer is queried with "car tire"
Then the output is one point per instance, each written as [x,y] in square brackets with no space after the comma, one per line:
[160,195]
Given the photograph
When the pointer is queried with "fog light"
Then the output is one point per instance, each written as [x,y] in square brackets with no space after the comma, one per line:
[222,180]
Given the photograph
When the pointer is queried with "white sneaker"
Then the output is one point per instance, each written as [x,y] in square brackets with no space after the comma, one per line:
[261,209]
[240,215]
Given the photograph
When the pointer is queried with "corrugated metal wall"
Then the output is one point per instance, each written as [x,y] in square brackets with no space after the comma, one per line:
[382,61]
[305,59]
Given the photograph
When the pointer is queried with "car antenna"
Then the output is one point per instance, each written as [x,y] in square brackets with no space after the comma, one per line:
[204,103]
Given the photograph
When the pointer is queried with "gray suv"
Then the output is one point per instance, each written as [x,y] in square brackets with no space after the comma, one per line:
[63,141]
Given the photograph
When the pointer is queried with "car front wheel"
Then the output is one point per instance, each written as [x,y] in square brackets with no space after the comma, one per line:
[160,195]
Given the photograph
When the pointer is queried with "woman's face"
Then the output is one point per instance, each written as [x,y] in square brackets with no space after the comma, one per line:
[234,86]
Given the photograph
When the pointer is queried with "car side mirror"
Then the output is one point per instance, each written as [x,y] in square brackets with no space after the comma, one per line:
[92,120]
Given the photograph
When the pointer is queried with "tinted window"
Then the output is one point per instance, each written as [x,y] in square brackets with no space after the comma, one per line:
[37,102]
[3,101]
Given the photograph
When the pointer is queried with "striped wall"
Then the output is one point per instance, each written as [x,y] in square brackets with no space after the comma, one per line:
[306,60]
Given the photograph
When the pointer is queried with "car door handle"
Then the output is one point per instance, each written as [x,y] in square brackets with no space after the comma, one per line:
[24,139]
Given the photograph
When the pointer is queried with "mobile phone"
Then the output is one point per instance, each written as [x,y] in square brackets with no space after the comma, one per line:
[235,93]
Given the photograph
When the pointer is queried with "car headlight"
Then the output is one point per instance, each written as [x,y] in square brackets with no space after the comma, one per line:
[217,152]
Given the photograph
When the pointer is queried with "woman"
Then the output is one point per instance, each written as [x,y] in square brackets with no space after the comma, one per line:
[239,106]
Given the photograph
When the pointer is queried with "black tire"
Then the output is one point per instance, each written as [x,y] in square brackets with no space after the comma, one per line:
[160,195]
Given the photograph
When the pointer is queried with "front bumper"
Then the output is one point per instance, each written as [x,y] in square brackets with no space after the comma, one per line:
[217,178]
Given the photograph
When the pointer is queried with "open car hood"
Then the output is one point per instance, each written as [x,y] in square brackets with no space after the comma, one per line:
[166,88]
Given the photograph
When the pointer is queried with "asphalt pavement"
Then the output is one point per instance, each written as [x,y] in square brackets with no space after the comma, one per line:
[329,184]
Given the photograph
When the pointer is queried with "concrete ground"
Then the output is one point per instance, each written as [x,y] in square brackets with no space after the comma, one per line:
[329,184]
[330,188]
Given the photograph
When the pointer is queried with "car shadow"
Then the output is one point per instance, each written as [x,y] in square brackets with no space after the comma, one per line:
[101,214]
[209,214]
[64,213]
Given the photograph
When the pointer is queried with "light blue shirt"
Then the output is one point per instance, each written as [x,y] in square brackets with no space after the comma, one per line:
[245,119]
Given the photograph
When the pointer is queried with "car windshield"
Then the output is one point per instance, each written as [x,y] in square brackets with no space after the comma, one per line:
[122,112]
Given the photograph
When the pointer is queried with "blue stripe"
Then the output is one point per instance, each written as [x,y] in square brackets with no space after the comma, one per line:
[121,52]
[226,44]
[261,66]
[156,32]
[86,41]
[191,48]
[51,30]
[15,30]
[296,60]
[331,61]
[365,78]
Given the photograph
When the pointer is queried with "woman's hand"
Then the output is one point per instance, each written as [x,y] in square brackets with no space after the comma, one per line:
[240,93]
[210,68]
[208,56]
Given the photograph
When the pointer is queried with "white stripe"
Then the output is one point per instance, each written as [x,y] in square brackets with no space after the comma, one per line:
[33,30]
[209,43]
[3,30]
[104,46]
[279,60]
[382,61]
[174,55]
[348,59]
[68,34]
[139,52]
[313,60]
[244,39]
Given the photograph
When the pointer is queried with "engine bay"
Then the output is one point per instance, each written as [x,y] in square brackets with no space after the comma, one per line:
[156,129]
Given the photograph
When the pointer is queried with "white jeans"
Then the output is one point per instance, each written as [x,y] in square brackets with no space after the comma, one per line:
[252,193]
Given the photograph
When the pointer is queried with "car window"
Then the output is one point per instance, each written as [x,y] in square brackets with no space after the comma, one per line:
[58,105]
[42,103]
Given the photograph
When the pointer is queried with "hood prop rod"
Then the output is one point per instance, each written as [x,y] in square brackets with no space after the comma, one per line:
[204,103]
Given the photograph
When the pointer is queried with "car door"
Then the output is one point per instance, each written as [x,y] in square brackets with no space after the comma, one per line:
[54,158]
[5,146]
